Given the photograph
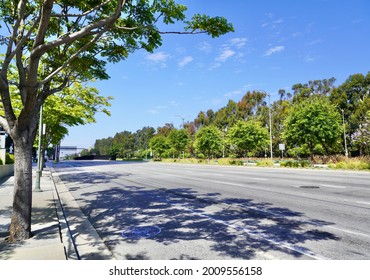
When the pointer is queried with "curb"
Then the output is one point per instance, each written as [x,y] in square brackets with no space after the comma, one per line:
[80,239]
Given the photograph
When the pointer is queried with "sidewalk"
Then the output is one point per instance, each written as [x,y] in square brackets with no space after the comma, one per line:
[46,244]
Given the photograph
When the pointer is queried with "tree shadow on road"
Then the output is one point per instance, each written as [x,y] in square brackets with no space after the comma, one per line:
[233,227]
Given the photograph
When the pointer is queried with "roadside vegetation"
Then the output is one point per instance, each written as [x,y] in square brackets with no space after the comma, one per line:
[317,122]
[335,162]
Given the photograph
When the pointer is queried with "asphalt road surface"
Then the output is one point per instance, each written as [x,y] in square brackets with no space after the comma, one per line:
[174,211]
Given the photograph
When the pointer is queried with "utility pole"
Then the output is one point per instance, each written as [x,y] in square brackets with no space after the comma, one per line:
[270,126]
[344,135]
[39,161]
[183,120]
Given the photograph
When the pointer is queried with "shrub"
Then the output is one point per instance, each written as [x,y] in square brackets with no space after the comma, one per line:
[236,162]
[9,159]
[305,163]
[265,163]
[341,165]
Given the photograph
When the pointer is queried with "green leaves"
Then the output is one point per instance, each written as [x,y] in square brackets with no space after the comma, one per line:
[208,140]
[76,105]
[248,137]
[213,26]
[179,139]
[159,145]
[313,122]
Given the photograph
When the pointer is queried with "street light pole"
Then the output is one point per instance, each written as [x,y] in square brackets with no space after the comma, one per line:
[39,161]
[270,126]
[344,135]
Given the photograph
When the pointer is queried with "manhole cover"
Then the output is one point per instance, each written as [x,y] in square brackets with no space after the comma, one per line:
[309,187]
[141,232]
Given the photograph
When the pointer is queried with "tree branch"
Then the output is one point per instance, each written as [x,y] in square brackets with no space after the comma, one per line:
[72,57]
[69,38]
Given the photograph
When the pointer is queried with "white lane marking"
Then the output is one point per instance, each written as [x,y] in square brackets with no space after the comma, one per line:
[348,231]
[363,202]
[331,186]
[258,179]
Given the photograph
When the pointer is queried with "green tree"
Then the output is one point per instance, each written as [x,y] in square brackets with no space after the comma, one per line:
[159,145]
[124,144]
[52,44]
[179,140]
[251,105]
[361,137]
[208,140]
[248,137]
[142,138]
[73,106]
[313,124]
[353,97]
[226,116]
[316,87]
[166,129]
[104,146]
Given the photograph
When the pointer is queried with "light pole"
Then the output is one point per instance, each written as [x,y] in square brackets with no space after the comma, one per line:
[270,126]
[344,135]
[39,161]
[183,120]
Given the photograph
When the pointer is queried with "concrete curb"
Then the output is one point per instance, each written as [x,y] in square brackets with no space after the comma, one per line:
[81,240]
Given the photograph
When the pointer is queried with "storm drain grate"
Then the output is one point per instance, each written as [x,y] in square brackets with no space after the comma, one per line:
[309,187]
[141,232]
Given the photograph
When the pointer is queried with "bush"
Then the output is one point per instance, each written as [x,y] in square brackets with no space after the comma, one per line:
[265,163]
[289,163]
[341,165]
[236,162]
[9,159]
[295,163]
[305,163]
[360,163]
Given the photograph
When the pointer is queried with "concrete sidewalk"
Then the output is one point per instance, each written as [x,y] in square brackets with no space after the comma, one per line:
[46,243]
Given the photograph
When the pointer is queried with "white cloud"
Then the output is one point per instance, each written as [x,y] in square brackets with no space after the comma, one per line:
[159,57]
[272,23]
[238,42]
[309,58]
[237,91]
[205,47]
[185,61]
[225,55]
[214,66]
[273,50]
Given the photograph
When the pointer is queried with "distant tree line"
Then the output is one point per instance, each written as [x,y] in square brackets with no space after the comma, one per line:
[315,118]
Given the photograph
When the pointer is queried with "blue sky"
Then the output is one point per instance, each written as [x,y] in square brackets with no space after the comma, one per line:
[275,44]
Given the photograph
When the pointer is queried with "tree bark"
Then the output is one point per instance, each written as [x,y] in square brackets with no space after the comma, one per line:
[20,227]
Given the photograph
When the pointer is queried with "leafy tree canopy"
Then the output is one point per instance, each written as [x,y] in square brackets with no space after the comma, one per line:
[248,137]
[313,122]
[208,140]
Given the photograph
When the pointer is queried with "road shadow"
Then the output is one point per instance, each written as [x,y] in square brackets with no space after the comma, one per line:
[237,228]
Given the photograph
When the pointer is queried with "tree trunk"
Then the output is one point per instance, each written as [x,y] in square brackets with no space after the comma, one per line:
[20,227]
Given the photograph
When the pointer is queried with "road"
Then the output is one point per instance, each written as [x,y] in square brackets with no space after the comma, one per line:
[174,211]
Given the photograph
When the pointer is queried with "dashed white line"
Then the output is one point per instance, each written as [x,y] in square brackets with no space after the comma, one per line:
[363,202]
[331,186]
